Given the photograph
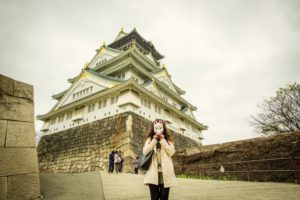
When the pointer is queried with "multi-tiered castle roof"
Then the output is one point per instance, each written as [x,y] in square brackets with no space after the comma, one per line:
[125,75]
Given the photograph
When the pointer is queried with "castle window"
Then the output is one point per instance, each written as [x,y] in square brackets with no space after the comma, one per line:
[100,62]
[53,121]
[157,109]
[60,118]
[174,104]
[69,115]
[91,107]
[100,104]
[113,100]
[123,76]
[146,103]
[104,103]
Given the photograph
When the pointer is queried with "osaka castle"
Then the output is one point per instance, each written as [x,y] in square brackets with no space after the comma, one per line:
[125,75]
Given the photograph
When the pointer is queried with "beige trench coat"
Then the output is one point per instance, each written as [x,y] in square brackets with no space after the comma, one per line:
[167,150]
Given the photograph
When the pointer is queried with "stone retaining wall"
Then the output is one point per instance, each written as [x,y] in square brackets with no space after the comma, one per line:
[284,145]
[86,148]
[19,177]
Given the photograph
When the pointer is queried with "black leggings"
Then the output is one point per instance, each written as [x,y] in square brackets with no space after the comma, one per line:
[159,192]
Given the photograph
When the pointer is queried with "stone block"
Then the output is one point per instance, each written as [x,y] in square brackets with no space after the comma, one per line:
[20,134]
[15,108]
[24,186]
[17,161]
[3,187]
[23,90]
[129,153]
[6,85]
[3,126]
[3,197]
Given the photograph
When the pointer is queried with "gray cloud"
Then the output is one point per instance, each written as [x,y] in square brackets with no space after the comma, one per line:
[227,55]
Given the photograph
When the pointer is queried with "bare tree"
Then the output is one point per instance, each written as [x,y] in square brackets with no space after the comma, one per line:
[280,113]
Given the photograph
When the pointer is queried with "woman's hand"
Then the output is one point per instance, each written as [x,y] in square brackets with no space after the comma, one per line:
[160,136]
[155,137]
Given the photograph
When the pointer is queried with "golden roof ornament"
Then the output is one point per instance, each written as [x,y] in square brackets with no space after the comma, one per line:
[86,65]
[101,47]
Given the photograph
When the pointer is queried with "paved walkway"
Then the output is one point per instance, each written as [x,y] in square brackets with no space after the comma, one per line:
[129,186]
[71,186]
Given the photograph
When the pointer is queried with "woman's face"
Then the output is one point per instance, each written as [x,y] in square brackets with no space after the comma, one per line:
[158,127]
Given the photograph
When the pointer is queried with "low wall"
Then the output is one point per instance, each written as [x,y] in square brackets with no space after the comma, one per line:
[247,158]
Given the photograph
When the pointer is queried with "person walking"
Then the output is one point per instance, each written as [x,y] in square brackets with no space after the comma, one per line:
[136,165]
[111,162]
[160,176]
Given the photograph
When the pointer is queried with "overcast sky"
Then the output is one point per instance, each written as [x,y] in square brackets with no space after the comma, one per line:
[227,55]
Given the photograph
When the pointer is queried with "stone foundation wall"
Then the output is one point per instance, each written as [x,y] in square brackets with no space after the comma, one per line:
[86,148]
[19,177]
[284,145]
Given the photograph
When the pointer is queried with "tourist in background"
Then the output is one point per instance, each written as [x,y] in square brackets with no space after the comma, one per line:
[121,160]
[158,178]
[116,161]
[136,165]
[111,162]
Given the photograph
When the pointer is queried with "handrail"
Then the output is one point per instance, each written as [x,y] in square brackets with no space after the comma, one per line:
[202,168]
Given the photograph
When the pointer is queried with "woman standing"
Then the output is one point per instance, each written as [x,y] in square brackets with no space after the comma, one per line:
[160,176]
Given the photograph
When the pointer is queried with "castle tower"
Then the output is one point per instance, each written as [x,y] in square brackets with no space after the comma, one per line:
[124,76]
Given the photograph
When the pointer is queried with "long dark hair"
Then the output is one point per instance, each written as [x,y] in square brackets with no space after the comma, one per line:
[168,137]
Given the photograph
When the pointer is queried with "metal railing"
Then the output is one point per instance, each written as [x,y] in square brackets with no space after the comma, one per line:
[274,169]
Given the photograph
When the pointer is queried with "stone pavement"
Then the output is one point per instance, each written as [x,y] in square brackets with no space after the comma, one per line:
[129,186]
[71,186]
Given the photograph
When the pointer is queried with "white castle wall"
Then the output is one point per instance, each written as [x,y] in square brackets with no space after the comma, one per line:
[128,101]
